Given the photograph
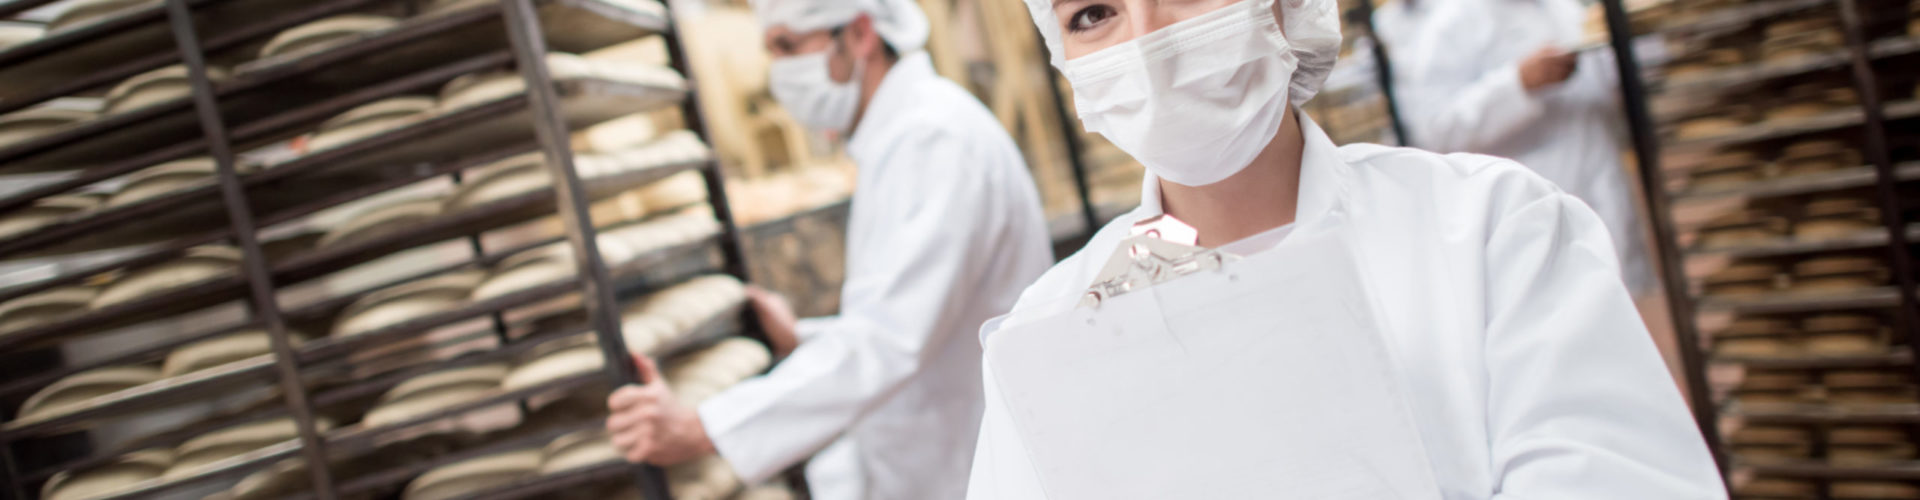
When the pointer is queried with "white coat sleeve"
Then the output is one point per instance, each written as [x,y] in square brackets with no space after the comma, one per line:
[1580,405]
[1001,468]
[1473,116]
[895,303]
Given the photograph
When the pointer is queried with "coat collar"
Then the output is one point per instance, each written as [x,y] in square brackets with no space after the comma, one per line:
[896,92]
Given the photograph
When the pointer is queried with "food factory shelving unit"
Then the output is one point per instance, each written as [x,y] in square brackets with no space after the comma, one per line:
[1775,150]
[528,101]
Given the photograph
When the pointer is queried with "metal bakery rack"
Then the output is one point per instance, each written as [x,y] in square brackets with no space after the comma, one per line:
[244,213]
[1776,148]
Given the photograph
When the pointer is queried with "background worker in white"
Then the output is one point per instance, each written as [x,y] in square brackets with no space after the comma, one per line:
[1528,372]
[1494,77]
[946,228]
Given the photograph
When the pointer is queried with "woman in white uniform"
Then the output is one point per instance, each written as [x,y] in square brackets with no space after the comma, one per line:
[1517,350]
[1494,77]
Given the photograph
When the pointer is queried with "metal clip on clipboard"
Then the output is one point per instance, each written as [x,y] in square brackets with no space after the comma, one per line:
[1160,249]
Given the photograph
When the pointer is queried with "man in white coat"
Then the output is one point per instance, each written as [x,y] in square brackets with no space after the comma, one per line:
[1495,77]
[946,228]
[1527,372]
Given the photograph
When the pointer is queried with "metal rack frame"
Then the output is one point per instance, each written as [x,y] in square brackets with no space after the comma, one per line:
[1881,174]
[595,281]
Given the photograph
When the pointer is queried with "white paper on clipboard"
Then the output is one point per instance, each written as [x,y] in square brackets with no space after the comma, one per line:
[1268,379]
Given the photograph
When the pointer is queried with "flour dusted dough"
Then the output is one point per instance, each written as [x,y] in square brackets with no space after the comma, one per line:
[84,12]
[370,120]
[1743,278]
[164,179]
[106,480]
[25,125]
[578,450]
[436,391]
[46,212]
[570,357]
[199,265]
[45,307]
[1837,217]
[19,34]
[217,351]
[407,301]
[474,475]
[325,33]
[206,450]
[78,390]
[377,221]
[154,87]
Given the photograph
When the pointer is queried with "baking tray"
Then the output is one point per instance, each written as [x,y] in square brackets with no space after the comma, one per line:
[661,268]
[324,261]
[1831,416]
[136,33]
[1901,471]
[263,87]
[393,154]
[1849,178]
[1765,131]
[1789,302]
[1899,356]
[1870,238]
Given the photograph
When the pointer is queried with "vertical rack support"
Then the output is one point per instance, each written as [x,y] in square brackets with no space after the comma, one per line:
[1076,156]
[732,247]
[596,282]
[1875,145]
[10,472]
[1646,148]
[266,306]
[1383,71]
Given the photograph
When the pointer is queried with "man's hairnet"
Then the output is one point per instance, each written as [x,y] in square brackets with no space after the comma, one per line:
[1312,27]
[900,22]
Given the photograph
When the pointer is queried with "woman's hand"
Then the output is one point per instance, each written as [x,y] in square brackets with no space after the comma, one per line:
[777,319]
[1547,67]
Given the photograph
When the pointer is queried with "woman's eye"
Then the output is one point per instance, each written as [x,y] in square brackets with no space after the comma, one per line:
[1089,17]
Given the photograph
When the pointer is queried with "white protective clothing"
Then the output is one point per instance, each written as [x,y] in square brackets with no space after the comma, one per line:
[1527,369]
[946,228]
[1312,28]
[1457,82]
[1195,101]
[804,85]
[900,22]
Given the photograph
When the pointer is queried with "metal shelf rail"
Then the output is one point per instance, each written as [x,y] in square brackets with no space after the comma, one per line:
[1881,174]
[596,283]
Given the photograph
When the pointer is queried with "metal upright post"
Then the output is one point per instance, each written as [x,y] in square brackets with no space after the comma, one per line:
[10,472]
[1383,72]
[596,282]
[1874,130]
[732,248]
[1075,156]
[266,305]
[1646,147]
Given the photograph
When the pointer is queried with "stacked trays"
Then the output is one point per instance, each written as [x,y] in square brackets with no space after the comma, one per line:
[365,136]
[1776,198]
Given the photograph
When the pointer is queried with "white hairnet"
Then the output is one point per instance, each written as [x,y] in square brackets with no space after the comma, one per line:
[900,22]
[1312,27]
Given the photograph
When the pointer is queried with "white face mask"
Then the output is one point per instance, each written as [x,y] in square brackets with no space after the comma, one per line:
[1195,101]
[805,87]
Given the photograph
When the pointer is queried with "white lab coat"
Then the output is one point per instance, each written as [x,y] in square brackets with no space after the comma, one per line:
[1529,374]
[1457,84]
[946,228]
